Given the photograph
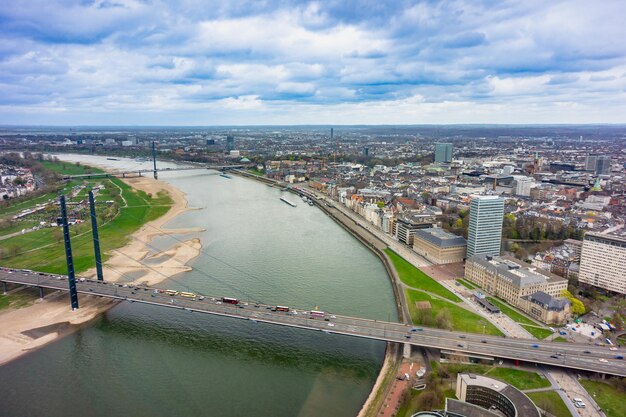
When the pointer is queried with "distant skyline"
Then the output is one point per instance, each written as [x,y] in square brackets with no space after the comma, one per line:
[197,62]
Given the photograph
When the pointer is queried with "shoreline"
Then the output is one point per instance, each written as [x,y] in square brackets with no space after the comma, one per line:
[370,241]
[27,329]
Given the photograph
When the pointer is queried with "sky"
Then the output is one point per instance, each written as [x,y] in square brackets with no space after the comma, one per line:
[281,62]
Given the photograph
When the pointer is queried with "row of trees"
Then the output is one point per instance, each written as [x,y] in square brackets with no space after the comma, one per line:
[516,227]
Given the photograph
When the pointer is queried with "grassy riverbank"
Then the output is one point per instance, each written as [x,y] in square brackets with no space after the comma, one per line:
[414,277]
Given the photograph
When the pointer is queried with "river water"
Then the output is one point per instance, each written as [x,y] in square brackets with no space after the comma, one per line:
[139,360]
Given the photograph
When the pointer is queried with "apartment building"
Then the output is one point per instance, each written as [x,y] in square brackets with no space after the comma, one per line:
[603,262]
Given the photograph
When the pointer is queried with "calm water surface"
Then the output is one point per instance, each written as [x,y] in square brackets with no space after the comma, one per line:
[139,360]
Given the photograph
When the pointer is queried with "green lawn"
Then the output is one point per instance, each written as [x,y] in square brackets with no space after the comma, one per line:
[515,315]
[256,172]
[551,402]
[17,226]
[141,209]
[415,278]
[462,319]
[560,339]
[69,168]
[521,380]
[539,332]
[608,398]
[466,284]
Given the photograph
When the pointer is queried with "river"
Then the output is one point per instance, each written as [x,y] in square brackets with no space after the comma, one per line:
[140,360]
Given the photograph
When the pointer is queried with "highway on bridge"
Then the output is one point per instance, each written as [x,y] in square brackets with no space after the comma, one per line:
[587,357]
[148,170]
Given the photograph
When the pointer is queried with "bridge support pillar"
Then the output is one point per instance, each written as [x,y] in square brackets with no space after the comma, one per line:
[406,351]
[41,294]
[96,239]
[4,288]
[71,279]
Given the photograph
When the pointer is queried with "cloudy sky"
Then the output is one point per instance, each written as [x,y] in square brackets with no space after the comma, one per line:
[206,62]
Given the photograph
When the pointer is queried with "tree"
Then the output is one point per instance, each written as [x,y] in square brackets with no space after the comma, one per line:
[578,308]
[57,234]
[444,319]
[428,400]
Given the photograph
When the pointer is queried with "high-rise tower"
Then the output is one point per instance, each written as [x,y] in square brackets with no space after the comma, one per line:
[443,152]
[485,225]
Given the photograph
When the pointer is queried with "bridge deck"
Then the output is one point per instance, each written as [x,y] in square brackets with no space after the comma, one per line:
[147,171]
[569,355]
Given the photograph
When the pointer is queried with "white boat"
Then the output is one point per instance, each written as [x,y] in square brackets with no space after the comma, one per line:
[283,199]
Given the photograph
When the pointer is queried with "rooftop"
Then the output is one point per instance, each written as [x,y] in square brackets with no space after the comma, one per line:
[518,273]
[523,405]
[440,237]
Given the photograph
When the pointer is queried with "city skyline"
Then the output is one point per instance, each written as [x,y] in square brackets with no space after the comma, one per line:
[154,63]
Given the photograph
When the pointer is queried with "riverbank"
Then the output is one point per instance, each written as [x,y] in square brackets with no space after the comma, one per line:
[26,329]
[129,261]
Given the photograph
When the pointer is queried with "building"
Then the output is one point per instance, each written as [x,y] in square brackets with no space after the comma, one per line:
[603,262]
[590,163]
[485,226]
[403,228]
[230,143]
[603,165]
[439,246]
[491,394]
[443,152]
[523,185]
[534,291]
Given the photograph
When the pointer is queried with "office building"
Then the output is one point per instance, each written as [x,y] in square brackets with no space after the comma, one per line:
[230,143]
[590,163]
[534,291]
[491,394]
[523,185]
[403,228]
[439,246]
[603,262]
[485,226]
[443,152]
[603,165]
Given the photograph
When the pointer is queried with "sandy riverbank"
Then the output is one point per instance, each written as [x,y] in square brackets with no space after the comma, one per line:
[130,259]
[26,329]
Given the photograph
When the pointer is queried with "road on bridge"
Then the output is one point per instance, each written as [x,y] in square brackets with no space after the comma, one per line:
[568,355]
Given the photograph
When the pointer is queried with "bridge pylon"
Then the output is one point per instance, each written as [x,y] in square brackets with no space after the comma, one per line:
[96,239]
[156,176]
[71,278]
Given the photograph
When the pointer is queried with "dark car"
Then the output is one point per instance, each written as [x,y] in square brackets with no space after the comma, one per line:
[535,345]
[619,357]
